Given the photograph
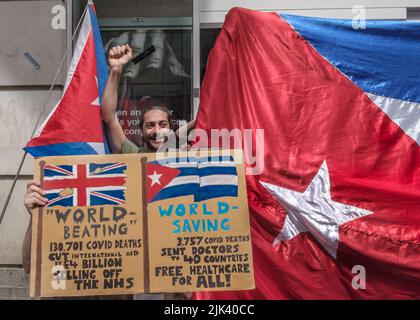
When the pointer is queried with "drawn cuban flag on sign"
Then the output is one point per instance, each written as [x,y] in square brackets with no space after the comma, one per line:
[204,178]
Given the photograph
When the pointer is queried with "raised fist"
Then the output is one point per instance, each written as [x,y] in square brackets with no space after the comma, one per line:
[119,56]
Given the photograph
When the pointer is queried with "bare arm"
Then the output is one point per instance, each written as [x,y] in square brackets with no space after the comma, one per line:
[118,57]
[34,198]
[114,130]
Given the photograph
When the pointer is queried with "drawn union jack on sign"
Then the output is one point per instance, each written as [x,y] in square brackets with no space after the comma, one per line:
[85,184]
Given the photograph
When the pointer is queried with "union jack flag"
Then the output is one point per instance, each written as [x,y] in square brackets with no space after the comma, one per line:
[80,185]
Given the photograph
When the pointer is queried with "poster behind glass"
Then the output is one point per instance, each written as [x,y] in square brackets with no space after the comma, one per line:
[164,76]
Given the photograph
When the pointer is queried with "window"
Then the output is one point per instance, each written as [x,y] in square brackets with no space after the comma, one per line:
[166,75]
[207,39]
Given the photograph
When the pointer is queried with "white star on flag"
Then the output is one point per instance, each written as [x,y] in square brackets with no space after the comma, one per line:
[155,178]
[314,211]
[95,102]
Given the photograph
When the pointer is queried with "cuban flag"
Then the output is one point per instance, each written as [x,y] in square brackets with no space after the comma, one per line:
[335,208]
[381,59]
[203,177]
[74,127]
[85,184]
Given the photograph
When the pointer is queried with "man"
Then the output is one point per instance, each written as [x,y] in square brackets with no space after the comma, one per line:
[155,125]
[161,66]
[155,121]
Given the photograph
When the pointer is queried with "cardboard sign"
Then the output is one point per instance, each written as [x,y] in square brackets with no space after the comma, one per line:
[125,224]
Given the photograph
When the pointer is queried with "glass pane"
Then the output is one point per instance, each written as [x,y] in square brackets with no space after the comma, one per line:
[207,39]
[165,75]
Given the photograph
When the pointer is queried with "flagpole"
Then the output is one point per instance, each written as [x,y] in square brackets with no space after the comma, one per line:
[22,161]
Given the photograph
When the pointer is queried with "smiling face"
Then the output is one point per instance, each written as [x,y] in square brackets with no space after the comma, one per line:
[156,128]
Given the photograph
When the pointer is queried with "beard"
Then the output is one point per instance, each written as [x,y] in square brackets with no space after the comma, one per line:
[154,140]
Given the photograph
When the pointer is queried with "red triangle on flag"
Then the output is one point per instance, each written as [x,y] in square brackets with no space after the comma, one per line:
[158,177]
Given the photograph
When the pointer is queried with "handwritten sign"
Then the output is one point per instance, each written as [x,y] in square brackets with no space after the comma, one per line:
[125,224]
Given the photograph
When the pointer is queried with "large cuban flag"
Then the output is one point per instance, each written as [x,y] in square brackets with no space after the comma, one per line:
[381,59]
[335,212]
[74,127]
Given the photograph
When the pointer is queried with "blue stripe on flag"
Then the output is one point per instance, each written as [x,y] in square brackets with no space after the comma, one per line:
[185,171]
[62,149]
[102,67]
[207,171]
[177,191]
[359,53]
[97,201]
[217,191]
